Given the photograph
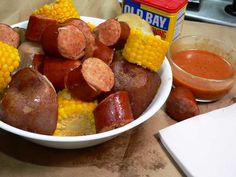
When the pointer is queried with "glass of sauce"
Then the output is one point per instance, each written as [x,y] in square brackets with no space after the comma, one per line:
[206,66]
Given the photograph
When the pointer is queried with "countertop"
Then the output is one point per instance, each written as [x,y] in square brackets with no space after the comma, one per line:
[134,153]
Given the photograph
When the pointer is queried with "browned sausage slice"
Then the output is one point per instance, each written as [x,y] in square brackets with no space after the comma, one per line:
[55,69]
[9,35]
[85,29]
[36,25]
[64,41]
[98,74]
[181,104]
[113,112]
[78,87]
[108,32]
[125,31]
[37,62]
[112,32]
[103,52]
[82,25]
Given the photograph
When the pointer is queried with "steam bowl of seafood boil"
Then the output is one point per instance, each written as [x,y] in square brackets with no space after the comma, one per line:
[70,81]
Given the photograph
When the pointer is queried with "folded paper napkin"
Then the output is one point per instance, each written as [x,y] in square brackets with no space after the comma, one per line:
[205,145]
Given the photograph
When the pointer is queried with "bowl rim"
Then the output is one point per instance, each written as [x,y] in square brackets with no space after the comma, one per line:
[169,57]
[148,113]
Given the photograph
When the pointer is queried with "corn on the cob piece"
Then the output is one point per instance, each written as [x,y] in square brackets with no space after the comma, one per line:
[145,49]
[92,26]
[60,10]
[75,117]
[9,61]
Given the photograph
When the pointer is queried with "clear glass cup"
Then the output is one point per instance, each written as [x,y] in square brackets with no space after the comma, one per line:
[204,90]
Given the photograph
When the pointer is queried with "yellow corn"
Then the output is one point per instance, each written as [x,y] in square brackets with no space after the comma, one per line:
[145,50]
[92,26]
[9,61]
[75,117]
[59,10]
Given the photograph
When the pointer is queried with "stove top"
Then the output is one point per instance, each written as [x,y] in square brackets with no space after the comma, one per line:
[212,11]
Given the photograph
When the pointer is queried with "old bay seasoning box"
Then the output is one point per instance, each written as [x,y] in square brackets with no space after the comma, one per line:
[165,16]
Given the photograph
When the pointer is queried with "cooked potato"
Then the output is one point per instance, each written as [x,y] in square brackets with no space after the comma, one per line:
[27,50]
[135,21]
[141,84]
[30,103]
[21,32]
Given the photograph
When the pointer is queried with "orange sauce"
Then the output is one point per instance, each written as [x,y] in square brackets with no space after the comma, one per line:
[206,65]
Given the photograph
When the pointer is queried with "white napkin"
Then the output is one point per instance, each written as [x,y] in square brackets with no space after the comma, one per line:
[205,145]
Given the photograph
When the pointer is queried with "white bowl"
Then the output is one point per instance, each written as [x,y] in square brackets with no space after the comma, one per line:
[73,142]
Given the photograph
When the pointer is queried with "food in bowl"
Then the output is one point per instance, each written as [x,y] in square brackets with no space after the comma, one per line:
[30,103]
[75,141]
[93,72]
[205,66]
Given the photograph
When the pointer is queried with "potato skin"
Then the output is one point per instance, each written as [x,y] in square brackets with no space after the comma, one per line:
[30,103]
[141,84]
[181,104]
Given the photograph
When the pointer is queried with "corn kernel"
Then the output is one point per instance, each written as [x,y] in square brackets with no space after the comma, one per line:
[9,61]
[145,49]
[59,10]
[75,117]
[92,26]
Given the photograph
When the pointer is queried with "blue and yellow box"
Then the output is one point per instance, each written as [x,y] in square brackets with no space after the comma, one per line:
[165,16]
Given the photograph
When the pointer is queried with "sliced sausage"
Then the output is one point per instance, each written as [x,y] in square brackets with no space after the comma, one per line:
[98,74]
[112,32]
[82,25]
[181,104]
[64,41]
[78,87]
[9,35]
[55,69]
[141,84]
[125,31]
[85,29]
[113,112]
[27,50]
[103,52]
[36,25]
[37,62]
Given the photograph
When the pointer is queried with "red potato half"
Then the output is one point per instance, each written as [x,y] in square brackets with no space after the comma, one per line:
[36,25]
[55,69]
[64,41]
[27,51]
[21,32]
[112,33]
[113,112]
[30,103]
[141,84]
[9,35]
